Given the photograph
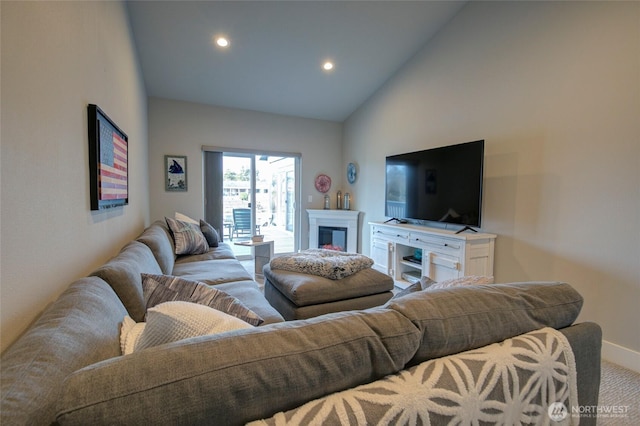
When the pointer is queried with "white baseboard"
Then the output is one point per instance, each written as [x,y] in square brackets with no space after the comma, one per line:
[620,355]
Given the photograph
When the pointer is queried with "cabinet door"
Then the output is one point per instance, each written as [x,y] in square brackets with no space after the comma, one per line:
[381,255]
[441,268]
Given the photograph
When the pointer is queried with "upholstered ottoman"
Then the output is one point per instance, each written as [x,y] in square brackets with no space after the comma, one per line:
[298,295]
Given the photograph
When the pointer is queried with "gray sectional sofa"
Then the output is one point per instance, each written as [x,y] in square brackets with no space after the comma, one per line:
[68,368]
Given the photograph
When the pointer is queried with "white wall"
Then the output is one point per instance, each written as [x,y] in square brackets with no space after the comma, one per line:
[57,57]
[183,128]
[554,89]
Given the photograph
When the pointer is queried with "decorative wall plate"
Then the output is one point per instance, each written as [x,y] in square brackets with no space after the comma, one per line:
[352,173]
[323,183]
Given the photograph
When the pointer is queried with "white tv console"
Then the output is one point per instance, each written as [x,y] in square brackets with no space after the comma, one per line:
[445,254]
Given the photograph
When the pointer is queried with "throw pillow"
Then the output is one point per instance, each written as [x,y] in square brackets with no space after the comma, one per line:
[209,233]
[456,282]
[423,284]
[164,288]
[184,218]
[188,237]
[130,332]
[173,321]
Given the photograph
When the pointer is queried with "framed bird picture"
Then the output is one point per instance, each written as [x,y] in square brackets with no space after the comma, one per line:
[175,168]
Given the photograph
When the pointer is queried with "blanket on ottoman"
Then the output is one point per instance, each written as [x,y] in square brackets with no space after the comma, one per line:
[330,264]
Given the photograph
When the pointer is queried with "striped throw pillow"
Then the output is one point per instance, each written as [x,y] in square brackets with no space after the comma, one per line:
[188,237]
[166,288]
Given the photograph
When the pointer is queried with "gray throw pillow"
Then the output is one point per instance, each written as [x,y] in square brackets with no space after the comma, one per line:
[210,233]
[423,284]
[165,288]
[188,237]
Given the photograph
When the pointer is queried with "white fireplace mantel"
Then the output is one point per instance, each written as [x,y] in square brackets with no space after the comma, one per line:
[338,218]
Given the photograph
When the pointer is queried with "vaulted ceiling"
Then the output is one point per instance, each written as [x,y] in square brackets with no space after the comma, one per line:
[276,50]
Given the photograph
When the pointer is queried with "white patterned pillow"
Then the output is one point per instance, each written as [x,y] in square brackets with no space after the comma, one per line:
[173,321]
[158,289]
[188,237]
[456,282]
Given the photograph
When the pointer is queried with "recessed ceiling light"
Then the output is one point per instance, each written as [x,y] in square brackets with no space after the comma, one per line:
[327,66]
[222,41]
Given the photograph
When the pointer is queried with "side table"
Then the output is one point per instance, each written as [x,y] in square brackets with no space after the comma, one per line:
[262,253]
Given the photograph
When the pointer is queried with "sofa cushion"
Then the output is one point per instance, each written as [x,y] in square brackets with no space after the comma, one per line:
[223,251]
[187,237]
[250,294]
[164,288]
[241,375]
[212,272]
[123,273]
[173,321]
[461,318]
[80,328]
[159,239]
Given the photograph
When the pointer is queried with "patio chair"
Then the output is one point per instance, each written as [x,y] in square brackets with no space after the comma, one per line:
[242,223]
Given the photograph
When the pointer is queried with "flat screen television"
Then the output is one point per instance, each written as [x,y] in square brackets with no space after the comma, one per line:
[437,185]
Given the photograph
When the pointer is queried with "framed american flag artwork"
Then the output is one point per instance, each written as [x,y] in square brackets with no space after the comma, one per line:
[108,161]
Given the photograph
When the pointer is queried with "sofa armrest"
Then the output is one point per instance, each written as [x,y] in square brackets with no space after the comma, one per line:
[586,342]
[123,274]
[159,239]
[80,328]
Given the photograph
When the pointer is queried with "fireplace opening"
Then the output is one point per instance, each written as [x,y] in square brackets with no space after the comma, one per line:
[332,238]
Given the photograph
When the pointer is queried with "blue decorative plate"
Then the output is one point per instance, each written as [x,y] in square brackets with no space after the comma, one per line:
[352,173]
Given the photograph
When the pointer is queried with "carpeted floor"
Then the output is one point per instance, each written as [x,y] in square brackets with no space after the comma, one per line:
[619,391]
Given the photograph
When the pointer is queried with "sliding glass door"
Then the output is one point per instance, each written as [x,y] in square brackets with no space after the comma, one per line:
[253,193]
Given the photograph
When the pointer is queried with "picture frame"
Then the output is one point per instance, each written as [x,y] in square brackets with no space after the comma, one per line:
[108,161]
[175,170]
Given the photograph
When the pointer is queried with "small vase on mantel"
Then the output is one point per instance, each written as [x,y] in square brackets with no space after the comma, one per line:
[339,199]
